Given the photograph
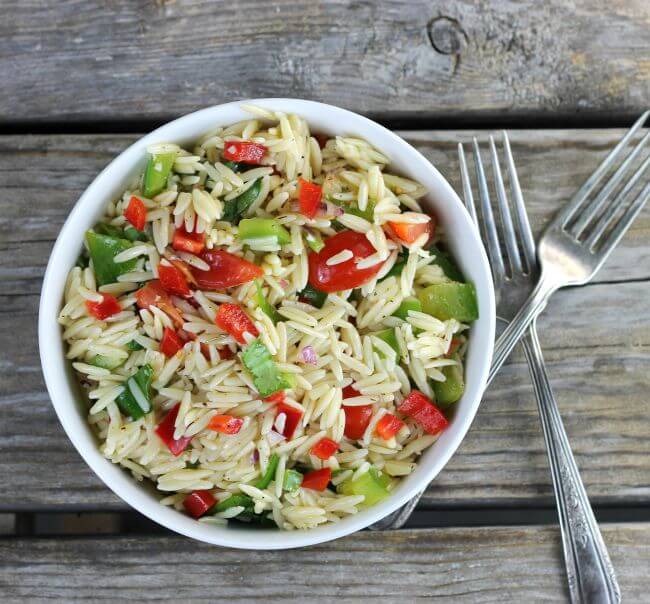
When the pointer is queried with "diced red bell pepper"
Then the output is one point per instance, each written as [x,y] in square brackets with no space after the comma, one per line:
[293,417]
[424,412]
[226,424]
[276,397]
[226,270]
[173,280]
[317,480]
[309,196]
[244,151]
[388,426]
[198,503]
[108,307]
[153,294]
[136,213]
[170,343]
[408,233]
[233,320]
[194,243]
[357,417]
[325,448]
[165,431]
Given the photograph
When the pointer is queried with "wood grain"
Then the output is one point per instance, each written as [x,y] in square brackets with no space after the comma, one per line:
[79,60]
[596,339]
[451,565]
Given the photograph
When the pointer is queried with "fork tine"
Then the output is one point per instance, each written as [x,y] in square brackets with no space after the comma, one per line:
[468,197]
[569,210]
[590,211]
[504,209]
[487,218]
[525,233]
[622,225]
[607,219]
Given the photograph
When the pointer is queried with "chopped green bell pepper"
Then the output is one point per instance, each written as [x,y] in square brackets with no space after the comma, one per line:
[314,241]
[267,308]
[408,304]
[133,345]
[448,266]
[312,296]
[388,336]
[266,376]
[292,480]
[132,234]
[135,399]
[449,391]
[373,485]
[269,475]
[234,209]
[106,362]
[102,250]
[233,501]
[259,228]
[450,301]
[157,172]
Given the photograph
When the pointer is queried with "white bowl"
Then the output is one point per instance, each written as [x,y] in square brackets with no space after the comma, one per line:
[462,238]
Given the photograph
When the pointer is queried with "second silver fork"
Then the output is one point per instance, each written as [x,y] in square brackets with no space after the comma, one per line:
[590,574]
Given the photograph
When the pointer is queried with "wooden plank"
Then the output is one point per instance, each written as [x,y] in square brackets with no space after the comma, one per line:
[73,60]
[459,565]
[598,356]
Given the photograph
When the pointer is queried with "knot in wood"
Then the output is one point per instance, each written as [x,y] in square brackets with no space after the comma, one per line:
[446,35]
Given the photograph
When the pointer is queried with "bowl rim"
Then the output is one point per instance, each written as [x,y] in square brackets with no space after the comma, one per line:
[57,374]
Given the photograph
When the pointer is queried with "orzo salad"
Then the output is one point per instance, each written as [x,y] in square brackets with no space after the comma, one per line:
[266,326]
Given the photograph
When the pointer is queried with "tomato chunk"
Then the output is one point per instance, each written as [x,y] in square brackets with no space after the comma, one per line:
[424,412]
[198,503]
[165,430]
[454,345]
[226,270]
[232,319]
[325,448]
[244,151]
[226,424]
[170,343]
[153,294]
[388,426]
[409,233]
[357,417]
[136,213]
[309,196]
[344,275]
[317,480]
[194,243]
[292,418]
[173,280]
[108,307]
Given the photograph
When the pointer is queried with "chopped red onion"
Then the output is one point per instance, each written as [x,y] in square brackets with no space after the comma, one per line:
[308,355]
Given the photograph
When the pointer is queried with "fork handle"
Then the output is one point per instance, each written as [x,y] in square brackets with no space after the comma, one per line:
[520,322]
[589,570]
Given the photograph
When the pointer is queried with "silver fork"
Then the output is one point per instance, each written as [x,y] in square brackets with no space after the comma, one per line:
[515,272]
[582,235]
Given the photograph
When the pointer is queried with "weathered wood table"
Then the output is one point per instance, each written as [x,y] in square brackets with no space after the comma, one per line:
[82,79]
